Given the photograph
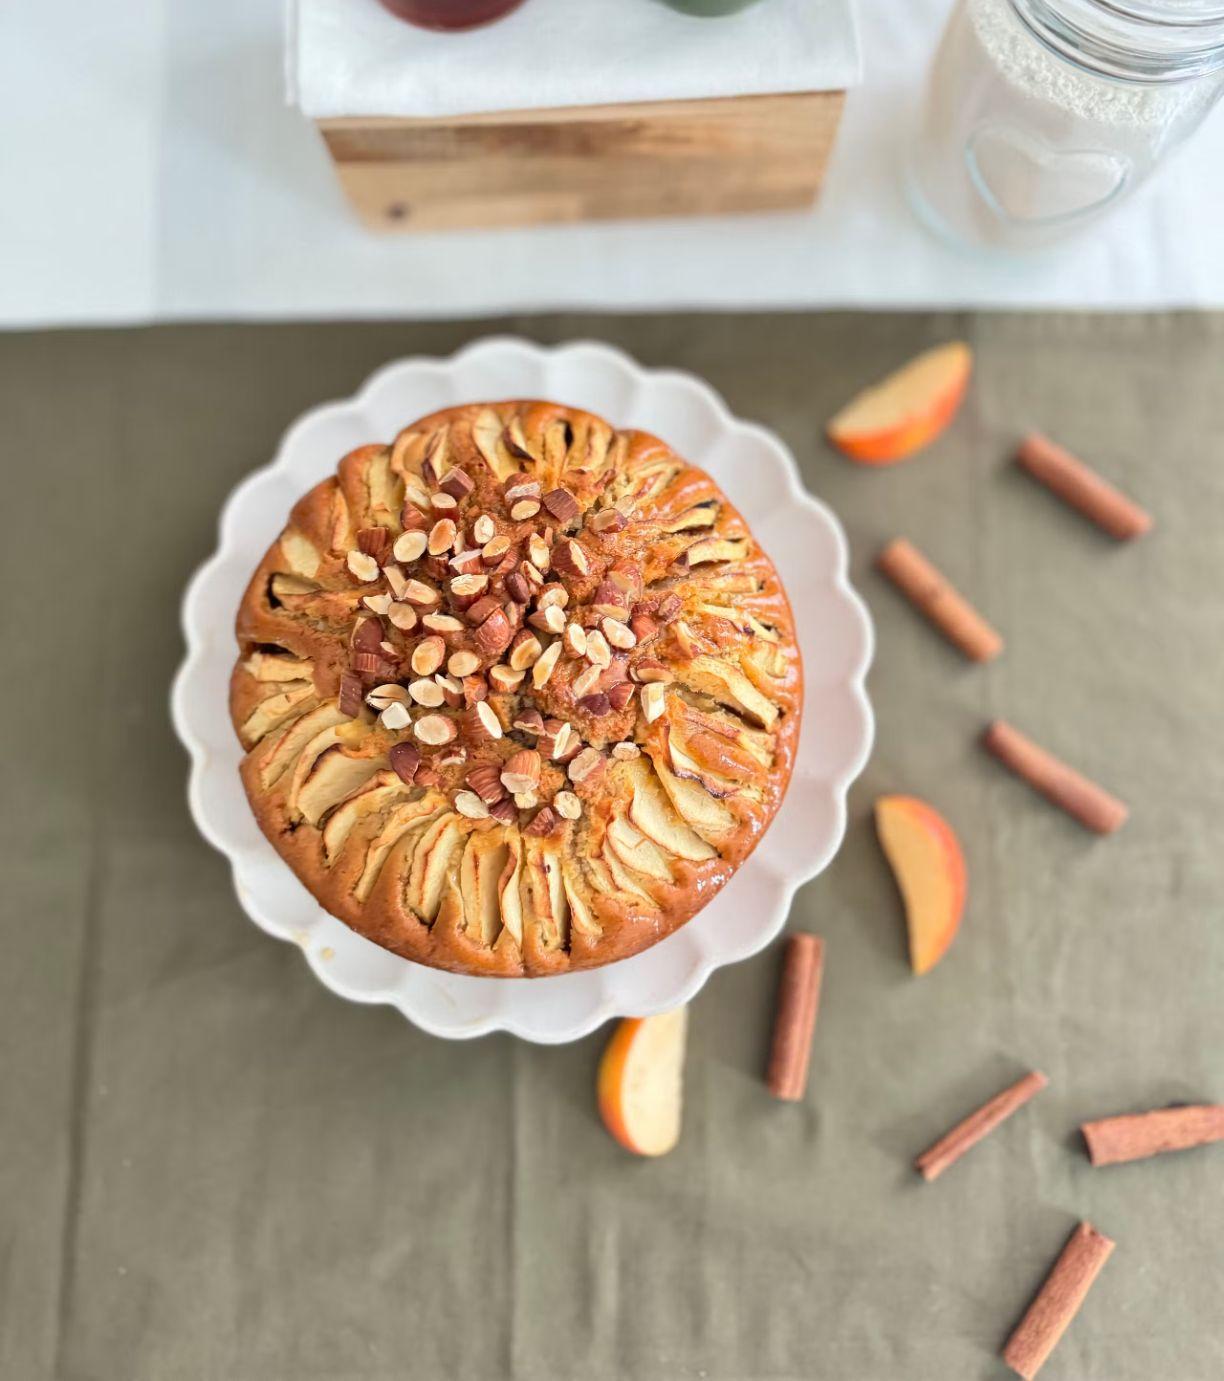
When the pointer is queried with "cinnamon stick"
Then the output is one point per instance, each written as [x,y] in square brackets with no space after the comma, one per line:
[795,1020]
[931,594]
[1058,1301]
[1087,802]
[1081,487]
[950,1147]
[1113,1140]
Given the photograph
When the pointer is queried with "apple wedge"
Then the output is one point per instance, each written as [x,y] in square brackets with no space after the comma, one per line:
[907,410]
[640,1082]
[926,859]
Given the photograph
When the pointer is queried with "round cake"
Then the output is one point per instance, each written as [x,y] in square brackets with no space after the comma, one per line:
[518,693]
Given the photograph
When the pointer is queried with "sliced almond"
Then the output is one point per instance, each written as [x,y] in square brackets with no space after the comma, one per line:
[585,682]
[363,567]
[575,640]
[417,592]
[462,663]
[381,604]
[606,520]
[435,729]
[458,484]
[427,692]
[485,781]
[539,553]
[467,589]
[482,721]
[388,694]
[494,634]
[597,650]
[395,716]
[469,804]
[467,562]
[410,546]
[403,616]
[427,656]
[442,502]
[621,694]
[493,548]
[441,535]
[653,694]
[522,772]
[443,623]
[524,650]
[484,529]
[545,665]
[650,669]
[626,752]
[567,805]
[569,558]
[618,634]
[550,619]
[553,595]
[452,690]
[520,486]
[586,766]
[504,679]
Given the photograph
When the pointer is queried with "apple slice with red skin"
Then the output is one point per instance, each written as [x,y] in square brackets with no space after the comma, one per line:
[926,859]
[640,1082]
[907,410]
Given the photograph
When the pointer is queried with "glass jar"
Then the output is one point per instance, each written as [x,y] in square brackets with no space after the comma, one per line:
[1041,114]
[451,14]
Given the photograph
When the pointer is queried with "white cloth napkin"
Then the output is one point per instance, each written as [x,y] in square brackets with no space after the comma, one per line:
[350,57]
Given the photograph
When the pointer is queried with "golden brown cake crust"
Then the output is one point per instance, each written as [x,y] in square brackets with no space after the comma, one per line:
[518,692]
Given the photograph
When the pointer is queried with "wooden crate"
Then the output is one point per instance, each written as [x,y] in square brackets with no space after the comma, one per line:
[746,153]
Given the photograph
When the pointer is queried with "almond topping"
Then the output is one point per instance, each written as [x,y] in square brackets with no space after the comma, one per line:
[427,656]
[586,765]
[530,721]
[469,587]
[403,616]
[597,704]
[609,601]
[410,546]
[350,695]
[426,692]
[551,619]
[396,579]
[626,752]
[462,663]
[485,781]
[405,759]
[524,650]
[417,592]
[503,811]
[416,494]
[597,650]
[467,562]
[503,678]
[375,542]
[494,634]
[434,729]
[443,623]
[567,805]
[458,484]
[493,548]
[484,529]
[539,552]
[568,557]
[557,737]
[617,634]
[524,509]
[575,640]
[650,669]
[562,505]
[652,701]
[525,800]
[362,566]
[643,626]
[382,696]
[381,604]
[606,520]
[620,695]
[441,535]
[475,688]
[517,588]
[469,804]
[395,716]
[520,486]
[452,757]
[553,595]
[668,608]
[484,606]
[521,772]
[482,722]
[543,668]
[585,682]
[544,823]
[442,502]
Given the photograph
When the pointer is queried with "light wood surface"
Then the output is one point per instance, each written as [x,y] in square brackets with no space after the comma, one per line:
[749,153]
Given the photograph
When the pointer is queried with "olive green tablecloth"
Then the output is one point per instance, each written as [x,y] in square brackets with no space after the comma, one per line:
[214,1170]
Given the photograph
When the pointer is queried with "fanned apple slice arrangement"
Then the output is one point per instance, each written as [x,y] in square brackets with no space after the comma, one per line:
[518,692]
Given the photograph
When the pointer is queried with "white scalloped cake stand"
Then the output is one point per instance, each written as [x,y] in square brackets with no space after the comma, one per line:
[800,534]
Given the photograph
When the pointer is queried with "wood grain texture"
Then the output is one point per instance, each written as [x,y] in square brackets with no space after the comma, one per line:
[744,153]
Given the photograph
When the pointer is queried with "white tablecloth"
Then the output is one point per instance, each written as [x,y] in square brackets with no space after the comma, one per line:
[152,170]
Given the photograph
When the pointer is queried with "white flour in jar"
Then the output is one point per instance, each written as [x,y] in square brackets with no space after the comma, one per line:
[1016,145]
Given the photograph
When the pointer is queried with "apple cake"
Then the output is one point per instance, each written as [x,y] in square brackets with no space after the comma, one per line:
[518,693]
